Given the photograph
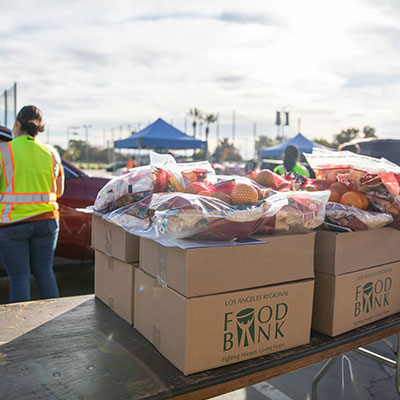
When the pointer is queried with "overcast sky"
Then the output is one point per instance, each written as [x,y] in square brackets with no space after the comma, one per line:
[332,64]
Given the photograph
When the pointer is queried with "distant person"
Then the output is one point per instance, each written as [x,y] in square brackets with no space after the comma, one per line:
[31,179]
[132,163]
[5,134]
[290,162]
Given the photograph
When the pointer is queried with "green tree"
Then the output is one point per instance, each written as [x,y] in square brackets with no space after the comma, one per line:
[262,142]
[326,143]
[226,151]
[199,155]
[369,132]
[197,115]
[209,119]
[346,135]
[75,150]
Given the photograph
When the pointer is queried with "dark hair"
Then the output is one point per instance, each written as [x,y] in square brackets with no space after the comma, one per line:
[30,118]
[290,157]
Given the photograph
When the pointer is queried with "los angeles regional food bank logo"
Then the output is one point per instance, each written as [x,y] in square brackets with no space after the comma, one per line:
[250,326]
[372,296]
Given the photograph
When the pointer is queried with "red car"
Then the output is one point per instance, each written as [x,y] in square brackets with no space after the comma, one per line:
[75,227]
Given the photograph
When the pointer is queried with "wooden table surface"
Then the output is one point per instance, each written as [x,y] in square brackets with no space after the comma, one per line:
[76,348]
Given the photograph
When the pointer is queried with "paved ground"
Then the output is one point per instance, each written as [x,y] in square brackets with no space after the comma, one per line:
[364,379]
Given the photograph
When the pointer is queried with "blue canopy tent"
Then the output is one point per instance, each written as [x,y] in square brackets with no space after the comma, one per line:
[157,135]
[304,145]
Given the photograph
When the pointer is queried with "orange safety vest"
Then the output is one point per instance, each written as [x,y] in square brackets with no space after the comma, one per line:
[28,179]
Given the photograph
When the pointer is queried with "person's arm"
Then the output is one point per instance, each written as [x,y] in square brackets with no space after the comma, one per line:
[60,182]
[60,176]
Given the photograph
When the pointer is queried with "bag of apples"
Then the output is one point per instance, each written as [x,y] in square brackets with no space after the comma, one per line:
[359,181]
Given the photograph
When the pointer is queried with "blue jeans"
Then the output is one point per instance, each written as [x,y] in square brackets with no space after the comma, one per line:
[27,247]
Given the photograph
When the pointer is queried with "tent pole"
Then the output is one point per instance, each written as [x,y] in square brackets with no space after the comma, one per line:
[140,152]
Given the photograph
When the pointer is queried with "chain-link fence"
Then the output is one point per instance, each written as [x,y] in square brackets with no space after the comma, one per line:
[8,107]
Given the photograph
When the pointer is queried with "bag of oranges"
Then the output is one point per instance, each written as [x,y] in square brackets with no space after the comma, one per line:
[360,181]
[170,176]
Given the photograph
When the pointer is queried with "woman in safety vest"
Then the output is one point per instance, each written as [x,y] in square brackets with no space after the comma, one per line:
[290,164]
[31,179]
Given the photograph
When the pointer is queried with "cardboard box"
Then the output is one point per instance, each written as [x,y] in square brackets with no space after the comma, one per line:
[203,271]
[114,284]
[348,301]
[114,241]
[201,333]
[338,253]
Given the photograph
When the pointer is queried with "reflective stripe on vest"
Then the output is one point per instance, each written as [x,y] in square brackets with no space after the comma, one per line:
[9,197]
[27,198]
[6,154]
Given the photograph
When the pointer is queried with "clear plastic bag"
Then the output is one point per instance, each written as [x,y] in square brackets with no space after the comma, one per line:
[184,215]
[125,189]
[163,175]
[356,219]
[377,179]
[304,211]
[202,217]
[170,176]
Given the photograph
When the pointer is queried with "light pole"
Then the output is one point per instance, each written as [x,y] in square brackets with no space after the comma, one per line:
[86,127]
[68,132]
[281,124]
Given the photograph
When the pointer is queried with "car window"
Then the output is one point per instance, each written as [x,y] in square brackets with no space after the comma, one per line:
[68,173]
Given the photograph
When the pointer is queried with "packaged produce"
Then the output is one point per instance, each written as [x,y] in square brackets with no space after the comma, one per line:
[269,179]
[185,215]
[164,174]
[354,218]
[378,180]
[125,189]
[170,176]
[304,211]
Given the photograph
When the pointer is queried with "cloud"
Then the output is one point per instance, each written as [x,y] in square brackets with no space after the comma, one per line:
[101,63]
[231,82]
[363,80]
[242,18]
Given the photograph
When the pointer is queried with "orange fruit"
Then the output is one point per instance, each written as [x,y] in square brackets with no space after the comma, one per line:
[335,196]
[265,178]
[243,193]
[222,196]
[310,188]
[320,184]
[340,187]
[352,198]
[365,202]
[259,192]
[266,193]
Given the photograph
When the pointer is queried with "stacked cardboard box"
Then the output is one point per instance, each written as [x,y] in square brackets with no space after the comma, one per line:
[207,307]
[116,256]
[210,306]
[357,276]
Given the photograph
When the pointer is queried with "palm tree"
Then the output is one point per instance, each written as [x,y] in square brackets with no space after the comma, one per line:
[197,116]
[209,119]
